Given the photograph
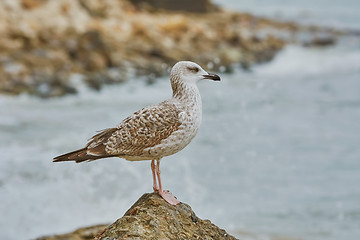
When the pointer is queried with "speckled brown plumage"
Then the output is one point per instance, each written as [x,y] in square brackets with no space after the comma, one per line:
[145,128]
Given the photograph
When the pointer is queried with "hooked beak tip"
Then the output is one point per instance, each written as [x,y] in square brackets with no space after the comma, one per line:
[212,76]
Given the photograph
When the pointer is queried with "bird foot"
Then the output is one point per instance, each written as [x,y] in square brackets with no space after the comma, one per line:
[168,197]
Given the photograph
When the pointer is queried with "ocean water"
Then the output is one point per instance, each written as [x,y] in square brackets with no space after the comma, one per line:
[277,155]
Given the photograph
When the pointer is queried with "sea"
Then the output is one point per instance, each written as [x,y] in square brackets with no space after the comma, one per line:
[277,155]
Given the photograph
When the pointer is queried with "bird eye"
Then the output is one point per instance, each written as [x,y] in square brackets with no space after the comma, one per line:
[194,69]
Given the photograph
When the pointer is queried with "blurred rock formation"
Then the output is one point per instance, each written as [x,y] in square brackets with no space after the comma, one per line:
[199,6]
[47,45]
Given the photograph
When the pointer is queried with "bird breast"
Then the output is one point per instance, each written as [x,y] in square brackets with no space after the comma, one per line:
[189,116]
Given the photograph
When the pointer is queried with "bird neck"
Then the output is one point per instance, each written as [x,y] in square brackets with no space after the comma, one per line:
[186,92]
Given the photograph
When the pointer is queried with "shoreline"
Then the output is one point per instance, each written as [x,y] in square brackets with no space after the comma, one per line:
[40,56]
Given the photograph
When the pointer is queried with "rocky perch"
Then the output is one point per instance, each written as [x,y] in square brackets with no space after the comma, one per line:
[151,218]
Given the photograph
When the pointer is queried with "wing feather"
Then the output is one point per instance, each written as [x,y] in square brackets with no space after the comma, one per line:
[145,128]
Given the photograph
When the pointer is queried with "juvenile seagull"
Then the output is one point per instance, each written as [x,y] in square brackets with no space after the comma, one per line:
[155,131]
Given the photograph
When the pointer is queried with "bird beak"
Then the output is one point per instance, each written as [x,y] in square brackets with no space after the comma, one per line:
[212,76]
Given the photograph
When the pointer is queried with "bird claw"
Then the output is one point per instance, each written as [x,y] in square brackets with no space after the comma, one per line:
[168,197]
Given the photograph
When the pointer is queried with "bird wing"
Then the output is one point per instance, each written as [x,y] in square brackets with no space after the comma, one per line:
[145,128]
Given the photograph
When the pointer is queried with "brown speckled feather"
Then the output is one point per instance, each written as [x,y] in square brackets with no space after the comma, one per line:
[145,128]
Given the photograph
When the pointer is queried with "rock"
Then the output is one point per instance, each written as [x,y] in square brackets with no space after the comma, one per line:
[199,6]
[152,218]
[322,41]
[32,4]
[95,8]
[85,233]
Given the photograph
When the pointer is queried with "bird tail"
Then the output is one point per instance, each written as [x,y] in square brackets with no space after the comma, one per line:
[78,156]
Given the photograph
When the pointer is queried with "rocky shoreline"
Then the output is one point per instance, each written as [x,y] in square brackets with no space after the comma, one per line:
[47,44]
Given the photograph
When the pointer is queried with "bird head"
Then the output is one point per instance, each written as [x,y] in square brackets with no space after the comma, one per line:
[190,72]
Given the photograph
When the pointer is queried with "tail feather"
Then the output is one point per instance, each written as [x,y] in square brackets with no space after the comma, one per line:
[78,156]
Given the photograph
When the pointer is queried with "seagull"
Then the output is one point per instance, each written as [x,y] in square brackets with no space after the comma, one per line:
[155,131]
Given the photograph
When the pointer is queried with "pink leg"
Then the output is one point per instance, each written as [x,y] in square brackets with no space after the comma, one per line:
[166,195]
[155,187]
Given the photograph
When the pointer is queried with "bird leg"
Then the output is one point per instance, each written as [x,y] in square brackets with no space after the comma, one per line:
[155,186]
[166,195]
